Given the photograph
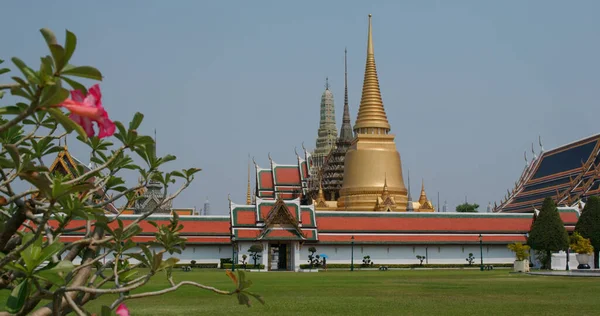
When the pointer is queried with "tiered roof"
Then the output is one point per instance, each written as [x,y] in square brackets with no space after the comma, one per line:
[333,170]
[283,181]
[66,164]
[273,220]
[567,174]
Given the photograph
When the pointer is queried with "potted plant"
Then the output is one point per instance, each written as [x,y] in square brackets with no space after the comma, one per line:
[583,248]
[521,251]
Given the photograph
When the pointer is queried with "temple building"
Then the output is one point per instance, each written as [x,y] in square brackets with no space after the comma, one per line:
[326,139]
[568,174]
[366,210]
[333,170]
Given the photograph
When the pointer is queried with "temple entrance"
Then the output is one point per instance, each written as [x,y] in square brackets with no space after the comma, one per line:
[280,257]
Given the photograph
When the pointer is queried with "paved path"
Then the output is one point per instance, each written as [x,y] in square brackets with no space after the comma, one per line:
[574,273]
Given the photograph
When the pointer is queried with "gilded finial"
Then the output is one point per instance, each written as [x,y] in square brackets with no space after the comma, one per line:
[371,113]
[326,83]
[540,141]
[269,155]
[254,161]
[303,148]
[296,152]
[229,197]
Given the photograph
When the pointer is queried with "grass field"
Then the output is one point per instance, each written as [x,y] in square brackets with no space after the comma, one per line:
[431,292]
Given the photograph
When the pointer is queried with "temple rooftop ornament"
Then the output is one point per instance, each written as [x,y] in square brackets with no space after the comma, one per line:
[333,169]
[373,155]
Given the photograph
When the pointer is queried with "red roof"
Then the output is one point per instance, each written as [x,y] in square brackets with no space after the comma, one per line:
[424,238]
[422,222]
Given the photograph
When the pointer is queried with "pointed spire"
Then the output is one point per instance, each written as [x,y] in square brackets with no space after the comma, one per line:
[409,196]
[248,193]
[346,130]
[423,197]
[371,113]
[326,83]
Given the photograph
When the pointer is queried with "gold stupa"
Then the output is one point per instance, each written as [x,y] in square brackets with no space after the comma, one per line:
[372,163]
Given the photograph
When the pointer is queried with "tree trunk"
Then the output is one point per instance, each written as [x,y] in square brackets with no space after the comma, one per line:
[548,260]
[596,258]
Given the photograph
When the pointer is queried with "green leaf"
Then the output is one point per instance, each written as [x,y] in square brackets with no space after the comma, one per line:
[53,95]
[128,275]
[49,36]
[70,44]
[49,251]
[17,297]
[56,274]
[168,263]
[68,124]
[75,85]
[13,151]
[137,120]
[27,72]
[10,110]
[4,70]
[84,72]
[32,253]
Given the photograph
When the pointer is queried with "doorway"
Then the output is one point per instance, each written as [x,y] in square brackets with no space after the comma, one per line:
[279,257]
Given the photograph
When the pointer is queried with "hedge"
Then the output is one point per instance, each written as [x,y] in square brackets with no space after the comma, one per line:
[405,266]
[239,266]
[198,265]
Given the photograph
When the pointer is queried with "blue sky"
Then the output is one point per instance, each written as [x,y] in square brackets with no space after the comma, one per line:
[467,85]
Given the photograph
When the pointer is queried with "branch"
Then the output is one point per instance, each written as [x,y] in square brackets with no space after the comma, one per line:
[12,255]
[171,289]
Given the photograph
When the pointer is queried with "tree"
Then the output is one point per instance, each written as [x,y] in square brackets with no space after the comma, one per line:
[35,266]
[256,253]
[313,261]
[467,208]
[548,232]
[588,225]
[470,259]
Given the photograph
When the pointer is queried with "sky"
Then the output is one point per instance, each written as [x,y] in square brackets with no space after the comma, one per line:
[468,86]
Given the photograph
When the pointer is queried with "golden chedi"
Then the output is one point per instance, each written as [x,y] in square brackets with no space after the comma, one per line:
[372,163]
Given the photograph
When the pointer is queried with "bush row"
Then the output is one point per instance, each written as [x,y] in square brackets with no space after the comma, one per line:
[198,265]
[239,266]
[405,266]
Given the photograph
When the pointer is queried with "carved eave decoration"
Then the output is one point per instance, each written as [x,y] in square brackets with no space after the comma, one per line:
[280,216]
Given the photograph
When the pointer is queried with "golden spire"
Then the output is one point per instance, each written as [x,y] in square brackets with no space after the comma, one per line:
[371,114]
[248,192]
[423,197]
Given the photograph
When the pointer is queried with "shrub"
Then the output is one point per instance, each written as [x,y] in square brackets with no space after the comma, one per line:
[313,260]
[548,232]
[407,266]
[193,263]
[38,206]
[588,225]
[238,266]
[521,251]
[470,259]
[256,253]
[367,262]
[581,245]
[421,259]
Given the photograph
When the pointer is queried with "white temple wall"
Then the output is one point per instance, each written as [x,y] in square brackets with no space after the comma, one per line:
[406,254]
[380,254]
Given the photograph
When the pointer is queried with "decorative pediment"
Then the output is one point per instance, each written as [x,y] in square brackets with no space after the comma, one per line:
[280,216]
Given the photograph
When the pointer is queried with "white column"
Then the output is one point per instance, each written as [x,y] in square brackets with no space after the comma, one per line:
[265,256]
[296,255]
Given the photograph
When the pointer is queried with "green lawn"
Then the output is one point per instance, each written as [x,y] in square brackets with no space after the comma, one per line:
[430,292]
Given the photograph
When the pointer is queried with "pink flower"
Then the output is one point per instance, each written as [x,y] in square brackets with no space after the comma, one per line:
[122,310]
[87,109]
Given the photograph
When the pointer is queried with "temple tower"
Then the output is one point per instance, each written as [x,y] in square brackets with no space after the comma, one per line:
[326,137]
[372,161]
[333,170]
